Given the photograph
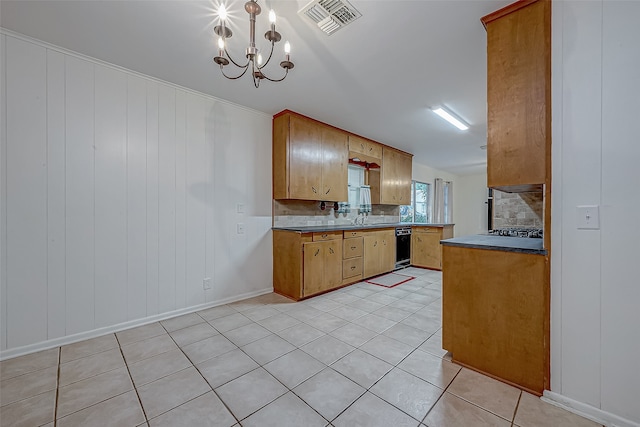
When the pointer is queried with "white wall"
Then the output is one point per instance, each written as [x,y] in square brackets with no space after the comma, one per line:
[470,200]
[119,197]
[469,195]
[595,286]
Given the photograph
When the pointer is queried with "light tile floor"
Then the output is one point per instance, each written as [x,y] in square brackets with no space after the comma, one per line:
[363,355]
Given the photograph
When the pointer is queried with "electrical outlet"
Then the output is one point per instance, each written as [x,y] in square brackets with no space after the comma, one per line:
[240,228]
[206,283]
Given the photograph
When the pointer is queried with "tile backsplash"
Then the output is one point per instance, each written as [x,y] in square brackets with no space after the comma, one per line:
[517,209]
[295,213]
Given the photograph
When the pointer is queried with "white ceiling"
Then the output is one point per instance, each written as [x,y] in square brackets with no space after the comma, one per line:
[376,77]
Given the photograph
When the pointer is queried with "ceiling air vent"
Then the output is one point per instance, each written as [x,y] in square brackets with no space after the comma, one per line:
[330,15]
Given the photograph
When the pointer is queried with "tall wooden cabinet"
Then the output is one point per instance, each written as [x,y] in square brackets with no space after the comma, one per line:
[519,96]
[310,159]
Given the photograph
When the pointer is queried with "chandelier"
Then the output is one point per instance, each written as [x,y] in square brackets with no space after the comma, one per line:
[252,53]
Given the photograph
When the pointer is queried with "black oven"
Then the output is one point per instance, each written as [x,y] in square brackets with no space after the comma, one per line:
[403,246]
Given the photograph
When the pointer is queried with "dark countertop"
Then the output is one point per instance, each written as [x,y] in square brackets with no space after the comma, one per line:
[523,245]
[323,228]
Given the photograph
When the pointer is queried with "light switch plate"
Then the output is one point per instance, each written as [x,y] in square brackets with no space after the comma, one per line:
[240,208]
[206,283]
[588,217]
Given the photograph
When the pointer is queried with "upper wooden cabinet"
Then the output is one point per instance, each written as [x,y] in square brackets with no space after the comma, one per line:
[365,149]
[395,180]
[309,160]
[519,96]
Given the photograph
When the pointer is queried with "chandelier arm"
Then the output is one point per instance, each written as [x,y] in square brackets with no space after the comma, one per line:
[234,62]
[237,77]
[260,67]
[277,80]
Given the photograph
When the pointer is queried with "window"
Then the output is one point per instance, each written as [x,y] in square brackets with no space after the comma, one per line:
[443,201]
[420,208]
[356,180]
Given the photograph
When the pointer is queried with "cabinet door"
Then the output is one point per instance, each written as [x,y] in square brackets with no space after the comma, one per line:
[305,159]
[335,161]
[313,268]
[404,178]
[388,184]
[388,256]
[518,98]
[426,250]
[371,255]
[332,264]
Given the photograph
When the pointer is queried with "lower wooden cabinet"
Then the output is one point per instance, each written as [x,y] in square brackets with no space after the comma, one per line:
[307,264]
[495,307]
[379,252]
[322,268]
[352,250]
[426,250]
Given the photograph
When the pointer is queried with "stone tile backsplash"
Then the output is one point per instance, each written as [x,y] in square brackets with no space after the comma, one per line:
[517,209]
[295,213]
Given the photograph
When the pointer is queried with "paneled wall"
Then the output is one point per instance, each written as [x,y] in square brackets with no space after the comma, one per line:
[595,343]
[120,195]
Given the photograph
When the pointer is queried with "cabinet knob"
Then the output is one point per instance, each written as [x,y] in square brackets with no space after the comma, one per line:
[317,252]
[324,236]
[328,191]
[362,145]
[375,243]
[331,251]
[314,190]
[353,267]
[353,248]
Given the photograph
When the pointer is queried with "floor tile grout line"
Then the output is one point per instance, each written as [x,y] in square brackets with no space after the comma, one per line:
[475,404]
[55,407]
[203,377]
[515,411]
[133,384]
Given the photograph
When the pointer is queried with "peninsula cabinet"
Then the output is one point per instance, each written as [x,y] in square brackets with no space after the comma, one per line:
[519,96]
[495,307]
[310,159]
[426,250]
[379,252]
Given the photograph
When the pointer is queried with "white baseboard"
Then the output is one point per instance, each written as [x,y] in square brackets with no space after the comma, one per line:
[70,339]
[591,412]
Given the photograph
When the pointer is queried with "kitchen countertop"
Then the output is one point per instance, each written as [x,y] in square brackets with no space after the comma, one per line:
[342,227]
[499,243]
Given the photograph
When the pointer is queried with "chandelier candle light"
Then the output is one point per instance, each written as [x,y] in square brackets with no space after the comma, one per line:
[254,58]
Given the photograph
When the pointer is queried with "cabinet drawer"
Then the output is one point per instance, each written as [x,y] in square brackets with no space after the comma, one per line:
[351,267]
[427,230]
[349,234]
[352,248]
[328,235]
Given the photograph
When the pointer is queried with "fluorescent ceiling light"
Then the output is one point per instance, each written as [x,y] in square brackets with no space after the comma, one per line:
[450,118]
